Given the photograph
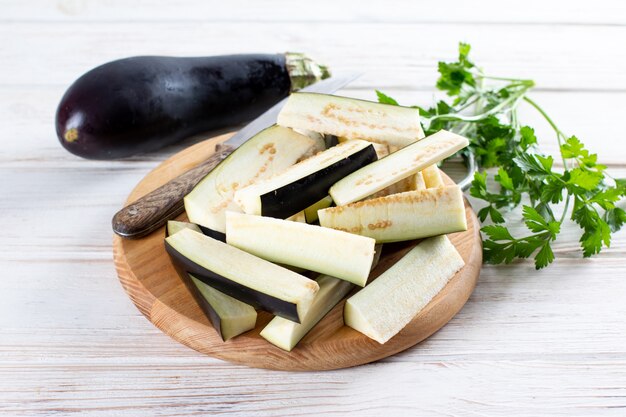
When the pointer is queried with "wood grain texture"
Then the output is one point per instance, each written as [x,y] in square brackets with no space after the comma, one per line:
[272,11]
[149,278]
[410,63]
[528,343]
[150,212]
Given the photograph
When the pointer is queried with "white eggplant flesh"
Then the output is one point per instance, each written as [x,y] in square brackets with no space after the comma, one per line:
[299,217]
[310,213]
[286,334]
[352,118]
[401,164]
[383,308]
[405,216]
[318,140]
[229,316]
[241,275]
[304,183]
[381,149]
[432,177]
[419,182]
[343,255]
[269,152]
[412,183]
[174,227]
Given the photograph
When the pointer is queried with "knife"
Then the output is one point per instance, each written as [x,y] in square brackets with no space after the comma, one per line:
[151,211]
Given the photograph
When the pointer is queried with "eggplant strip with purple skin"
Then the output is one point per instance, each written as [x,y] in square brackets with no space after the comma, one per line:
[229,316]
[286,334]
[306,182]
[241,275]
[269,152]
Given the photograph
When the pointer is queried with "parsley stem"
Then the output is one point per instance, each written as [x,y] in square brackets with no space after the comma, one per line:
[468,103]
[567,199]
[529,83]
[464,129]
[544,114]
[478,117]
[559,135]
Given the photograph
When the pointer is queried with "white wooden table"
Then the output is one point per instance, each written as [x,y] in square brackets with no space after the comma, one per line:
[71,342]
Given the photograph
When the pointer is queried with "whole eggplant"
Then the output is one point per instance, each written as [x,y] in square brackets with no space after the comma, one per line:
[140,104]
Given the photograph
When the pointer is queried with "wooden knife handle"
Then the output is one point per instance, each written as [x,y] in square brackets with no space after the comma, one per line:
[151,211]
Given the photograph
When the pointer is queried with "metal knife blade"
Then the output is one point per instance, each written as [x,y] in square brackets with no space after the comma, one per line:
[151,211]
[329,85]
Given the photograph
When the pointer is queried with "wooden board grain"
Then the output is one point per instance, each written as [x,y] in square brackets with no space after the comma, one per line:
[153,285]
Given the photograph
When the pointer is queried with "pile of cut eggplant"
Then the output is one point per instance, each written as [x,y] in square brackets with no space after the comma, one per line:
[295,220]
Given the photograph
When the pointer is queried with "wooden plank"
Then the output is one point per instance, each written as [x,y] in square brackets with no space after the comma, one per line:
[488,12]
[551,388]
[549,54]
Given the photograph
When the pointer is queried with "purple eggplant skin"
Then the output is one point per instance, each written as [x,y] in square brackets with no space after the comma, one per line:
[205,306]
[250,296]
[213,233]
[141,104]
[298,195]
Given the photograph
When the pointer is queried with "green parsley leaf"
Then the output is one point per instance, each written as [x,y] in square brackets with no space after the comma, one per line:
[545,256]
[385,99]
[593,238]
[464,50]
[497,232]
[504,179]
[615,218]
[573,148]
[587,180]
[552,191]
[535,165]
[534,221]
[607,198]
[527,137]
[495,215]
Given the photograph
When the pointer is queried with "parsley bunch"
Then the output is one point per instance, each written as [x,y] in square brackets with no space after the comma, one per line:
[488,115]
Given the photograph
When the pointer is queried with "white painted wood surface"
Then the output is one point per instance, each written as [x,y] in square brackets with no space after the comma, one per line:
[527,343]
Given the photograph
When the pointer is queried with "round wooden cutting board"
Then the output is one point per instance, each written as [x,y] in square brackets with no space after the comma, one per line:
[150,280]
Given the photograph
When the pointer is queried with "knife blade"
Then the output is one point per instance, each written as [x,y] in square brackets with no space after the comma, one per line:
[151,211]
